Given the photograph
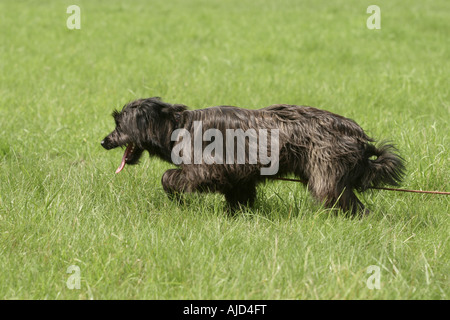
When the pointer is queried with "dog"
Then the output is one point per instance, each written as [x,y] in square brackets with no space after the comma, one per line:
[330,153]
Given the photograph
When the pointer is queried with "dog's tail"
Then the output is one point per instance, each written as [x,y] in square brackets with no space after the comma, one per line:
[387,168]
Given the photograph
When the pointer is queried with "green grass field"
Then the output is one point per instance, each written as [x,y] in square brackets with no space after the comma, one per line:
[61,203]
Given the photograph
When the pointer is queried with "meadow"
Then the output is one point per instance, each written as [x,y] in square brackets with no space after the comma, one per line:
[61,204]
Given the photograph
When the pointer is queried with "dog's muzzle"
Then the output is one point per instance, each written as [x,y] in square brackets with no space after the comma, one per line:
[106,144]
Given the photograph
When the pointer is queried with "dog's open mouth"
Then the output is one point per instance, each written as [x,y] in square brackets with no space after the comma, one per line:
[127,155]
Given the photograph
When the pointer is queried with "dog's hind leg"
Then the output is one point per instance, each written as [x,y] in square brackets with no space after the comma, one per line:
[348,201]
[332,194]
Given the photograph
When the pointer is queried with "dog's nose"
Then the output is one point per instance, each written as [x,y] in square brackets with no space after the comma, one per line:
[106,143]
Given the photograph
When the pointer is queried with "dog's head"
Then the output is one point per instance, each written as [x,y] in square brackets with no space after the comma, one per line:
[143,124]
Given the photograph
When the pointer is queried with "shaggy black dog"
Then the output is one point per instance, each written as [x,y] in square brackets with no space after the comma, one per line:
[332,154]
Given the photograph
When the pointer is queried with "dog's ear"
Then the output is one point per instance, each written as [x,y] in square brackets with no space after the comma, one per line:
[179,107]
[115,114]
[173,109]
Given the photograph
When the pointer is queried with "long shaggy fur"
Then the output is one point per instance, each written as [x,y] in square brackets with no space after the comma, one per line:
[330,152]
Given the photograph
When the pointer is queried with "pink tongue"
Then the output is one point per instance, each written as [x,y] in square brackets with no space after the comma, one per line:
[125,154]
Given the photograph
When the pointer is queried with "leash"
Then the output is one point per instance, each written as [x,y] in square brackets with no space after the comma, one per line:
[378,188]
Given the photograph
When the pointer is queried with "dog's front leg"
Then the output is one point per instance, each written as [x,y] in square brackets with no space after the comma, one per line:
[175,183]
[241,195]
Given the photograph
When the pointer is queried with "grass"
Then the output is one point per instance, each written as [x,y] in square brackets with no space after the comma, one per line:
[61,203]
